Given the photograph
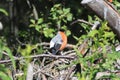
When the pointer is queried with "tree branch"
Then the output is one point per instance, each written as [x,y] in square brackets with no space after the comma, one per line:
[81,21]
[37,56]
[106,73]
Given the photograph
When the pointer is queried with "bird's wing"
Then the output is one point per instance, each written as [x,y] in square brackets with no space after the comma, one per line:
[56,40]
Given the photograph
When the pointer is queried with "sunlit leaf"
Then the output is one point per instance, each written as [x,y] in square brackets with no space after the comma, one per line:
[90,18]
[38,28]
[66,10]
[48,32]
[93,33]
[68,32]
[4,11]
[69,17]
[32,21]
[108,35]
[57,5]
[40,20]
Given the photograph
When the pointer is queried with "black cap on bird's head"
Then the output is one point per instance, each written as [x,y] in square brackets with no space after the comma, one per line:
[62,30]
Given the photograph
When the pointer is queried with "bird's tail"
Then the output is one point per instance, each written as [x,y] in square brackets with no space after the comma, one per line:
[53,51]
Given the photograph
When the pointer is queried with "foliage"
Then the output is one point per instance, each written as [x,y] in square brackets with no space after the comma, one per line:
[117,5]
[41,27]
[101,38]
[58,15]
[4,72]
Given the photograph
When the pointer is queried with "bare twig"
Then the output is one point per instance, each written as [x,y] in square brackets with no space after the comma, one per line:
[70,72]
[81,21]
[106,73]
[69,52]
[47,44]
[43,72]
[37,56]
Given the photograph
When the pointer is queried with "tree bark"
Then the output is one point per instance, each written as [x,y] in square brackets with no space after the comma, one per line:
[105,11]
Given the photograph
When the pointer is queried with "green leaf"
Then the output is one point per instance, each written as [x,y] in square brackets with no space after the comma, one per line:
[54,16]
[60,11]
[68,32]
[32,21]
[69,17]
[109,35]
[40,20]
[4,11]
[86,27]
[3,68]
[10,55]
[66,11]
[93,33]
[90,18]
[57,5]
[3,76]
[27,50]
[48,32]
[104,25]
[38,28]
[32,25]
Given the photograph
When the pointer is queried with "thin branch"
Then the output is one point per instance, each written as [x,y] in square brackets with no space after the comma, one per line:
[43,72]
[21,73]
[37,56]
[106,73]
[69,52]
[47,44]
[81,21]
[70,72]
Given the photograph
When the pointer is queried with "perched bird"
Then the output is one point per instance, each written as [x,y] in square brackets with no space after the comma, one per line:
[58,42]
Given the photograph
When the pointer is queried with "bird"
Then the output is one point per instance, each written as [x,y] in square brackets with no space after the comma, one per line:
[58,42]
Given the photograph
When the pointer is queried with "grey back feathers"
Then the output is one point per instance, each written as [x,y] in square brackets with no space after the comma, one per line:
[56,40]
[55,43]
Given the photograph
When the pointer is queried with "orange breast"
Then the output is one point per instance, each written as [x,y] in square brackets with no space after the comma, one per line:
[110,0]
[64,39]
